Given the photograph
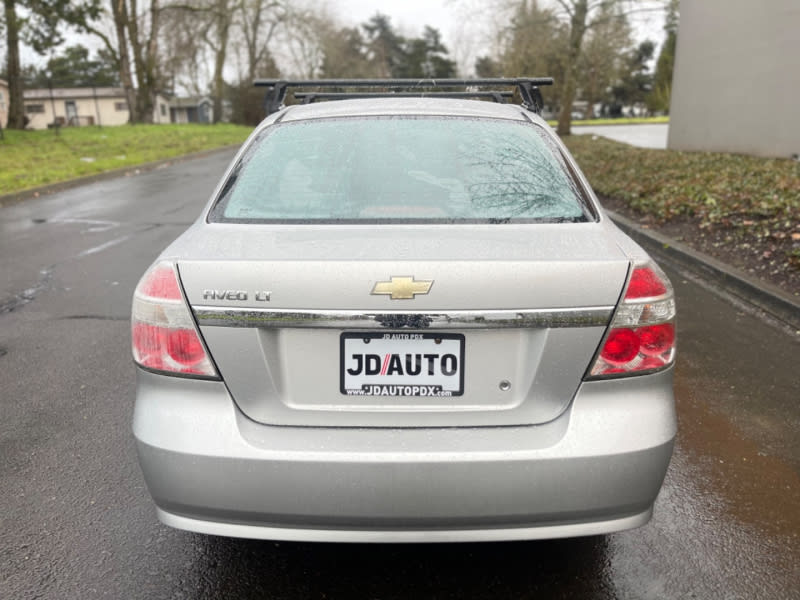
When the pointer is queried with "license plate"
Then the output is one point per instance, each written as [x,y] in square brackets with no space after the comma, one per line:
[402,364]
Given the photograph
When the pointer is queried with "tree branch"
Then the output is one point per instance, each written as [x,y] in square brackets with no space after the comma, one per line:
[568,8]
[105,39]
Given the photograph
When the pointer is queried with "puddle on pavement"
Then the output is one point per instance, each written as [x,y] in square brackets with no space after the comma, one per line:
[758,489]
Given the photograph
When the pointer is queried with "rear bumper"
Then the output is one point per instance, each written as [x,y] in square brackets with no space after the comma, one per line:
[597,468]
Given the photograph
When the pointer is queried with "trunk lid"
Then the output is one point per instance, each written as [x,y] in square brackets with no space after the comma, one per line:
[525,305]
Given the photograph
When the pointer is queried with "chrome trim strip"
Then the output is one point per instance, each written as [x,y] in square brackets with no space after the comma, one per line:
[226,316]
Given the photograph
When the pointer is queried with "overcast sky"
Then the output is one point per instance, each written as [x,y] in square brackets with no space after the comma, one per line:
[412,14]
[443,14]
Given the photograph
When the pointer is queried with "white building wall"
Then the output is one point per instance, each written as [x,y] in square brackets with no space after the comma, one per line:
[42,107]
[161,111]
[736,83]
[103,111]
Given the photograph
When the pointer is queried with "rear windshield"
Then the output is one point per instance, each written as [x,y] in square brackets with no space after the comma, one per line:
[400,170]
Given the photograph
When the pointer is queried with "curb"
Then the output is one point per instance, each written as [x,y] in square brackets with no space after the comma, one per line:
[757,294]
[15,197]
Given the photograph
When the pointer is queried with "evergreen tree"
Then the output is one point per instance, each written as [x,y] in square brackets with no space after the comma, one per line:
[385,47]
[392,55]
[637,81]
[658,99]
[425,57]
[74,68]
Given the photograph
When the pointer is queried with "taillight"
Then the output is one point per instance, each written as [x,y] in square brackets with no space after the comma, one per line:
[641,338]
[163,332]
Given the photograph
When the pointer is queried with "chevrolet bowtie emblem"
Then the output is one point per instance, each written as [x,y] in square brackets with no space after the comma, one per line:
[401,288]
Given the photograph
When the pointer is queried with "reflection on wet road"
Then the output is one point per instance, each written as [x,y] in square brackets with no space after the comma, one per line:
[77,522]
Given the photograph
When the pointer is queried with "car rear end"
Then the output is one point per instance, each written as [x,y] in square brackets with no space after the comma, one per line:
[403,370]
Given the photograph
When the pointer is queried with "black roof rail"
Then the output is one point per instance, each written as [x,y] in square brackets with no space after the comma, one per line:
[528,88]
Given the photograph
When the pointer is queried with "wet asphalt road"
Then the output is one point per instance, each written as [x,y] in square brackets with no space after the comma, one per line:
[76,520]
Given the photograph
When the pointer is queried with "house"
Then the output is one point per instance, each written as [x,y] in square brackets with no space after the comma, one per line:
[74,107]
[3,103]
[194,109]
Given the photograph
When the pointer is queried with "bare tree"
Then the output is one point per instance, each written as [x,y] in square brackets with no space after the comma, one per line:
[213,26]
[550,37]
[582,16]
[217,35]
[601,60]
[533,42]
[303,38]
[137,35]
[259,21]
[144,43]
[119,10]
[185,62]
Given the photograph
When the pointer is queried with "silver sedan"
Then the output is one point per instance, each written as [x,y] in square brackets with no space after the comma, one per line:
[404,320]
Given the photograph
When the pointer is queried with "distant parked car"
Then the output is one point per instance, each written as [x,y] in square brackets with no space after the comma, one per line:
[404,319]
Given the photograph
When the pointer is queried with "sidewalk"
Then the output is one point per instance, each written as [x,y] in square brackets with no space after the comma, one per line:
[645,135]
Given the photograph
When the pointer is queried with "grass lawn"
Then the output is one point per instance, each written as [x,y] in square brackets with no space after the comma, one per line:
[32,158]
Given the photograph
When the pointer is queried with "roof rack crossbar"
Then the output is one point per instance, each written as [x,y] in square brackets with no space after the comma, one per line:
[309,97]
[528,87]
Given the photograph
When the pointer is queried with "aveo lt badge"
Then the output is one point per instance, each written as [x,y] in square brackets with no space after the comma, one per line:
[401,288]
[240,295]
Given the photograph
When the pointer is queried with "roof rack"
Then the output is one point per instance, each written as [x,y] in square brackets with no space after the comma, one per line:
[399,88]
[309,97]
